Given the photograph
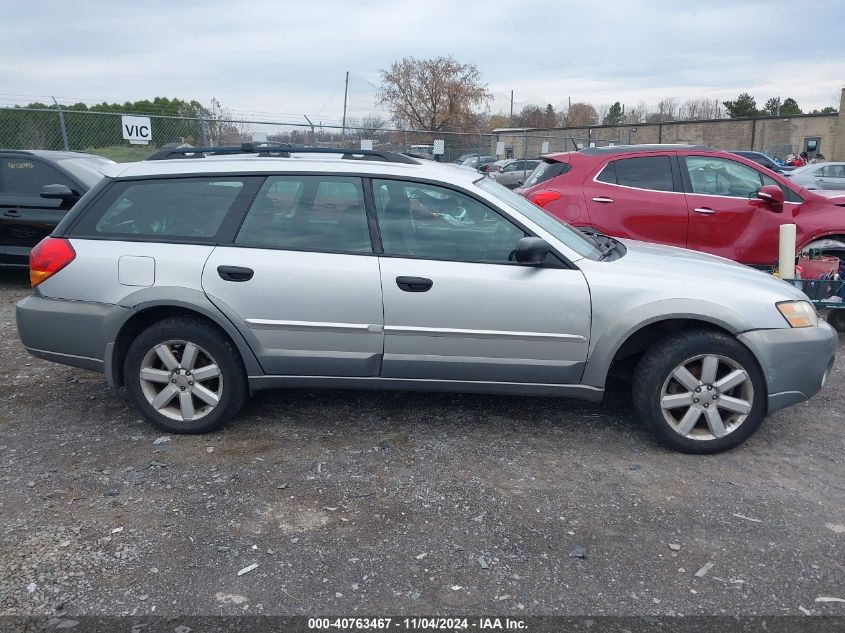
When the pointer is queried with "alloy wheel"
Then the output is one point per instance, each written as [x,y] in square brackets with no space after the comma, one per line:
[181,380]
[707,397]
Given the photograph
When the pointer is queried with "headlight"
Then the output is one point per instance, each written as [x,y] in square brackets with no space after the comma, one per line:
[798,313]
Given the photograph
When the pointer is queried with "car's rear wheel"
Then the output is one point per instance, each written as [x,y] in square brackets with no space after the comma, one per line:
[700,392]
[185,376]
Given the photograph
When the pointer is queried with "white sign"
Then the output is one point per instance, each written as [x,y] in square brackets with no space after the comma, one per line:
[136,129]
[366,143]
[439,146]
[500,148]
[544,147]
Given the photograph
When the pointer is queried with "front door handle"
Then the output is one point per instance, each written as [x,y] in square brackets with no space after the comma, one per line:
[235,273]
[12,213]
[704,210]
[603,199]
[414,284]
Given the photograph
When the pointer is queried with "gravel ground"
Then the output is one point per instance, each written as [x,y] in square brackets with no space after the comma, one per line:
[377,503]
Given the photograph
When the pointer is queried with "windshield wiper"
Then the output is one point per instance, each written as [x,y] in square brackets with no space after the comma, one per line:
[607,246]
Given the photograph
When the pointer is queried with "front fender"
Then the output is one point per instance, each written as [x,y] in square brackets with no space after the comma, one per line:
[606,343]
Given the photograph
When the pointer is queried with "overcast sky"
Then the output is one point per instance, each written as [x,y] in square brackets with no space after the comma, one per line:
[289,57]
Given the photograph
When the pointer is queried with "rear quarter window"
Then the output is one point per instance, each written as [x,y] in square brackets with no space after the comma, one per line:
[177,209]
[546,170]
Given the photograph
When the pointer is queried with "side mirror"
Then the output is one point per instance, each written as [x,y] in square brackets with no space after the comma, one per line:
[60,192]
[771,195]
[532,251]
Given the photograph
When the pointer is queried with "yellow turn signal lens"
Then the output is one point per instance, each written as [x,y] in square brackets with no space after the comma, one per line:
[799,313]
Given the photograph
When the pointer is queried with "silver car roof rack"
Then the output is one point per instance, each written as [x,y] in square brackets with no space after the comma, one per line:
[281,151]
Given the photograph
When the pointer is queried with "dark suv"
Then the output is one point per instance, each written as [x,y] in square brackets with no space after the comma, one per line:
[28,213]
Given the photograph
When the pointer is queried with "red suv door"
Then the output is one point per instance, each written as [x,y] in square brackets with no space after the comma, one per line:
[640,197]
[726,217]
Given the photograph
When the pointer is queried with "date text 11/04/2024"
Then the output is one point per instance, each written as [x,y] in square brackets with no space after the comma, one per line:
[417,624]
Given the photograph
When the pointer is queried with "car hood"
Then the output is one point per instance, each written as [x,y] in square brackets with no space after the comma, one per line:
[702,269]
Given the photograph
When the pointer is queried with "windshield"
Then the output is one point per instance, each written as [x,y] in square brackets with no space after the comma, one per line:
[558,228]
[86,168]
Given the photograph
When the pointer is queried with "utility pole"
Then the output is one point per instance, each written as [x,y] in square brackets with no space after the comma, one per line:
[511,123]
[345,97]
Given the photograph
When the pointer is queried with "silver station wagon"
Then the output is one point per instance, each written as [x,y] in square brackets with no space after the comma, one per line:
[199,278]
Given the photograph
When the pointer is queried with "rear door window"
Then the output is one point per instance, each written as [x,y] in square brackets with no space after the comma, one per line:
[644,172]
[177,209]
[312,213]
[23,175]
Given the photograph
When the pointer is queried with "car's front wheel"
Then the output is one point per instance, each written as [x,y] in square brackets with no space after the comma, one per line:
[700,392]
[185,376]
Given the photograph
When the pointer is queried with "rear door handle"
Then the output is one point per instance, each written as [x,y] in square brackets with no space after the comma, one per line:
[235,273]
[414,284]
[12,213]
[603,200]
[704,210]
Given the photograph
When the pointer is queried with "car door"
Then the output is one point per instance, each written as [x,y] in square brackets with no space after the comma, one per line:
[639,197]
[830,177]
[517,173]
[301,278]
[510,174]
[25,217]
[457,308]
[726,217]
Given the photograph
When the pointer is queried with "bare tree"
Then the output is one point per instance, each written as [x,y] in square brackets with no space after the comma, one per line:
[220,130]
[367,127]
[636,114]
[531,116]
[433,94]
[581,114]
[601,111]
[698,108]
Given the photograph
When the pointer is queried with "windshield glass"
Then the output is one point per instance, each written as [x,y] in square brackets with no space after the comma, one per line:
[558,228]
[86,168]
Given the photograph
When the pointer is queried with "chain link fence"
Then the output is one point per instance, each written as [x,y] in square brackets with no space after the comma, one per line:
[102,133]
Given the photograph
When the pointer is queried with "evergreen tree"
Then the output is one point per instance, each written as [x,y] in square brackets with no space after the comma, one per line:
[744,106]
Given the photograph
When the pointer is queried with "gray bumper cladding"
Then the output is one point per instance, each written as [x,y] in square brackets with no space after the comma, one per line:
[67,332]
[794,361]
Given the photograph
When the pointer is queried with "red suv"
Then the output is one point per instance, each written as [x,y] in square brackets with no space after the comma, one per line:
[685,195]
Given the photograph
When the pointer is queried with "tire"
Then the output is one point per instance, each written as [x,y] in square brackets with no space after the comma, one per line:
[736,388]
[836,319]
[204,390]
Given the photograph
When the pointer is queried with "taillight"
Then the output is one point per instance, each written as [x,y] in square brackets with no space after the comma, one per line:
[48,257]
[544,197]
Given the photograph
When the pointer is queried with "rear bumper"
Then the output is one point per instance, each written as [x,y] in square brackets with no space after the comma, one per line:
[795,361]
[69,332]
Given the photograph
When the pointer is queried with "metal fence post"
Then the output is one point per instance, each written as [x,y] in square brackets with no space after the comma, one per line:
[203,130]
[62,124]
[524,144]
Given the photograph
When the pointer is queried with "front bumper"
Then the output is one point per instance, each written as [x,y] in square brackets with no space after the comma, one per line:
[795,361]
